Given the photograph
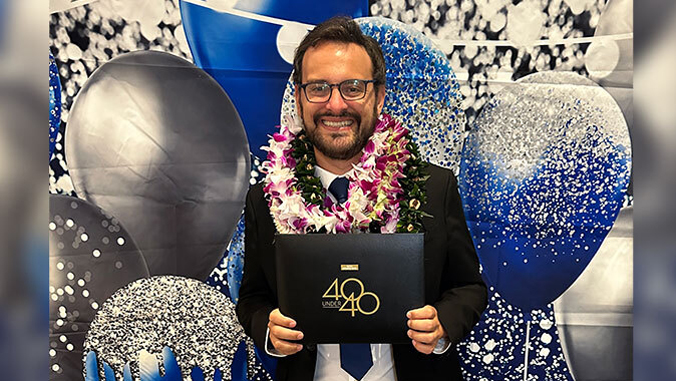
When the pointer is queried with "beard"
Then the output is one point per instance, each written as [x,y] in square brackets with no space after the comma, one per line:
[325,143]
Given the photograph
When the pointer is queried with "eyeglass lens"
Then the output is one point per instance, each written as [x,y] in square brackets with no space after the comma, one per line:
[350,90]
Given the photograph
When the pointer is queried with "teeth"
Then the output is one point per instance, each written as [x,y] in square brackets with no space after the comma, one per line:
[343,123]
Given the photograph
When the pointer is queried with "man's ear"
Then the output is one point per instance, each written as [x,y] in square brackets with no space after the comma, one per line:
[380,98]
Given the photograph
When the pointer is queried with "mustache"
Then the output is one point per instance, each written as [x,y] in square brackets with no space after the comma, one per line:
[343,114]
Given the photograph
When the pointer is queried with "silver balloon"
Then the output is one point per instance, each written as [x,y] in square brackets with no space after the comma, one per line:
[91,256]
[197,322]
[595,315]
[155,141]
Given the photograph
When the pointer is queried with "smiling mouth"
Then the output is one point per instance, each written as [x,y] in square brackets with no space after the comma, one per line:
[337,124]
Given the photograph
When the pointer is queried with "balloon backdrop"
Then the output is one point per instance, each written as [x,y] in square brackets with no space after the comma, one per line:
[91,255]
[54,103]
[196,321]
[155,141]
[249,57]
[595,314]
[422,90]
[543,174]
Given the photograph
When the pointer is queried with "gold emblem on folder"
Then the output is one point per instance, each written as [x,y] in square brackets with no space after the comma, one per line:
[338,298]
[350,267]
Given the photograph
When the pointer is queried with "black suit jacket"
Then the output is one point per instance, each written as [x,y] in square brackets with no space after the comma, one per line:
[453,284]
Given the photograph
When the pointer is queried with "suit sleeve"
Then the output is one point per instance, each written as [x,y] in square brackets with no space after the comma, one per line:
[464,294]
[256,299]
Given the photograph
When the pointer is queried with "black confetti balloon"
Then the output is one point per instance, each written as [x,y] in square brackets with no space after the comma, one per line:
[91,255]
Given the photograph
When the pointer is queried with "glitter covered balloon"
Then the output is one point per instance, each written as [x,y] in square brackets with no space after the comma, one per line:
[156,141]
[91,255]
[196,321]
[422,90]
[227,276]
[54,103]
[543,175]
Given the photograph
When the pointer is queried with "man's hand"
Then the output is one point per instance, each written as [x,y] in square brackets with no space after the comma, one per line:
[425,329]
[280,332]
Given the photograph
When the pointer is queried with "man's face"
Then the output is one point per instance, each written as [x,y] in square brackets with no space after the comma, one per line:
[339,129]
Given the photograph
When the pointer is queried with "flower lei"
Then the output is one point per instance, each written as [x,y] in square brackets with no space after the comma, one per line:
[385,193]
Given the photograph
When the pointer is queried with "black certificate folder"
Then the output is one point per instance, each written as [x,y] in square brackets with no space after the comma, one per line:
[350,288]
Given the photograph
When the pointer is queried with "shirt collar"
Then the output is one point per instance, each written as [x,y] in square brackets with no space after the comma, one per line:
[327,177]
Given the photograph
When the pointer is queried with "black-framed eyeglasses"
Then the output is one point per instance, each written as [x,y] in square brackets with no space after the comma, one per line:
[350,90]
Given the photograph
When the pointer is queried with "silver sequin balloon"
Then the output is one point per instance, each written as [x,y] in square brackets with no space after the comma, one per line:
[196,321]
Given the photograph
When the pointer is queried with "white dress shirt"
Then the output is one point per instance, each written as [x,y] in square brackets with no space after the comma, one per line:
[328,355]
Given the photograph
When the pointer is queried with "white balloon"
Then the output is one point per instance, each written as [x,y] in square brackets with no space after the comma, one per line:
[288,38]
[602,58]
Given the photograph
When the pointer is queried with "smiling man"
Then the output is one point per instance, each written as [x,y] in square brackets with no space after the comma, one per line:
[340,87]
[339,126]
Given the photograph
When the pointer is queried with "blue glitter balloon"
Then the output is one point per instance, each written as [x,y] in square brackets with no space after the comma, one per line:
[543,175]
[422,90]
[54,103]
[227,276]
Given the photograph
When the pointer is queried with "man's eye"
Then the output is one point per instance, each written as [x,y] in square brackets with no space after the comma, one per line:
[352,89]
[317,87]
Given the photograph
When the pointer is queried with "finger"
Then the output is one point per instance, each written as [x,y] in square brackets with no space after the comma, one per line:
[279,319]
[284,347]
[285,333]
[425,325]
[427,312]
[422,348]
[423,337]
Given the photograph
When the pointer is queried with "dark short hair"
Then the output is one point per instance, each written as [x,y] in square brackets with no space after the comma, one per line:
[340,29]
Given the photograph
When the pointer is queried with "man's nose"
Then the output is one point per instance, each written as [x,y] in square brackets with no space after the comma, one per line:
[336,103]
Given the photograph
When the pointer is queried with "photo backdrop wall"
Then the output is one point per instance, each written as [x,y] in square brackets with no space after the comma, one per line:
[529,102]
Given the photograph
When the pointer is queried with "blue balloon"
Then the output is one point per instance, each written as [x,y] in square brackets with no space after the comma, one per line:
[242,53]
[305,11]
[54,103]
[543,175]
